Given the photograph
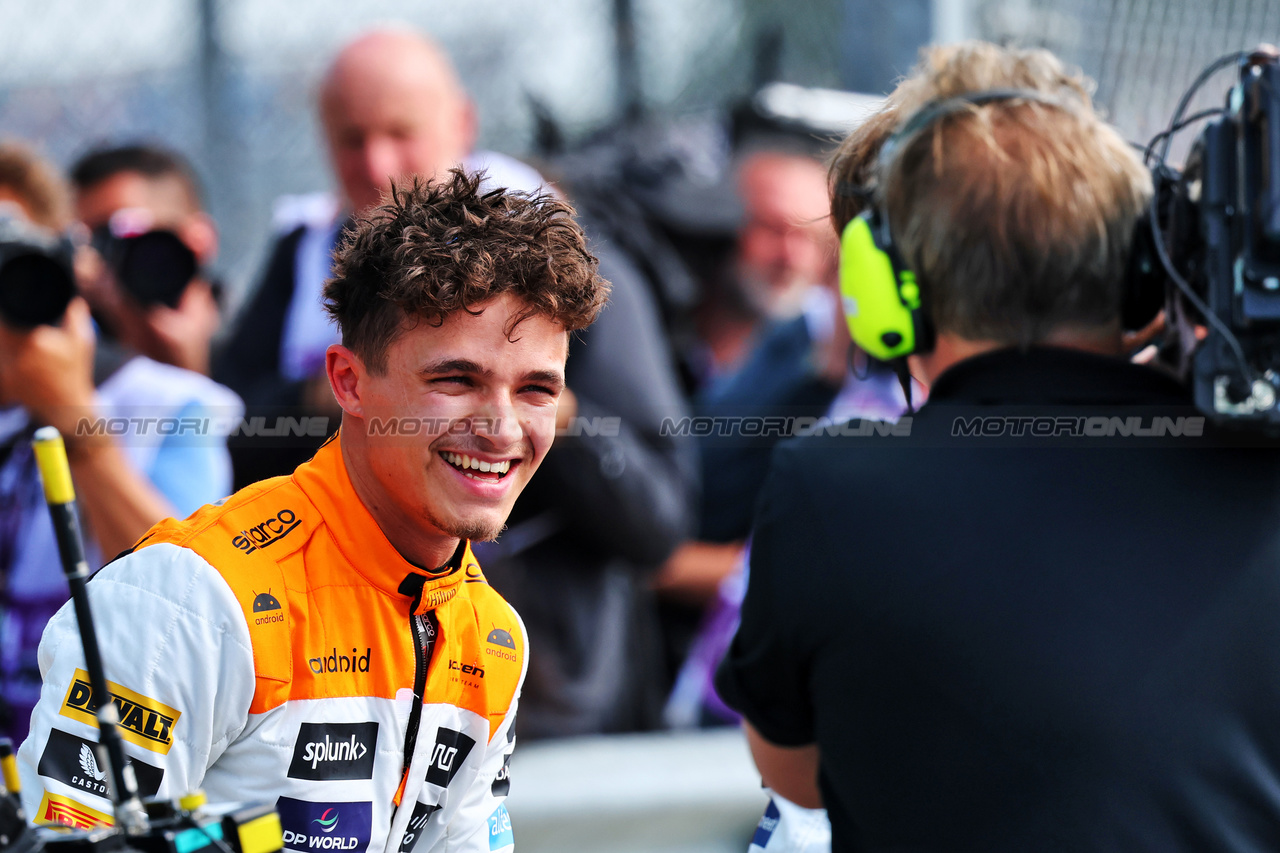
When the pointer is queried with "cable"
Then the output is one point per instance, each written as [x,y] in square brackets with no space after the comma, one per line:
[1176,123]
[1149,148]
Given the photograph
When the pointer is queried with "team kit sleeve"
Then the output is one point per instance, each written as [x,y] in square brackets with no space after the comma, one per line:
[179,667]
[482,824]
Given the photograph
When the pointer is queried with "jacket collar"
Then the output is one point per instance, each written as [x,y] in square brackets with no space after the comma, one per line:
[326,483]
[1054,375]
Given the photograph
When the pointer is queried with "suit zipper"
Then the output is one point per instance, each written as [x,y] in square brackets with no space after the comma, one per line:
[424,628]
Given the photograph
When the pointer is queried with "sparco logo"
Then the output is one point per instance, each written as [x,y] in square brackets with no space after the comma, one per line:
[324,826]
[334,751]
[268,532]
[335,662]
[451,750]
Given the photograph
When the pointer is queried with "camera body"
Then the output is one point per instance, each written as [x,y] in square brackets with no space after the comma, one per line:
[37,275]
[153,266]
[1225,223]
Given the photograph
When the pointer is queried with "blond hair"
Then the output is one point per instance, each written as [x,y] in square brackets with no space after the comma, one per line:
[37,183]
[1016,215]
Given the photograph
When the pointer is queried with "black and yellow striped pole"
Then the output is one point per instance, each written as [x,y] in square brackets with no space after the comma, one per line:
[59,493]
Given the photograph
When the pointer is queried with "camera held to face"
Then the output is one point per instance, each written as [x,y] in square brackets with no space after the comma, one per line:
[37,275]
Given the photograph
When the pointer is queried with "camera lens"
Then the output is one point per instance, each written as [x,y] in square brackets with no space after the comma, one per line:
[35,289]
[154,267]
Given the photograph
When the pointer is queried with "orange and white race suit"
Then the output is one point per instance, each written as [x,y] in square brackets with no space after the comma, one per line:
[277,648]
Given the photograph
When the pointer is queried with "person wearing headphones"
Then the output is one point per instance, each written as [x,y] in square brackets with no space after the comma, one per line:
[978,633]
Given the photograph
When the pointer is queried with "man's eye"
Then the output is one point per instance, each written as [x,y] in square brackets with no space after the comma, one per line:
[538,389]
[461,381]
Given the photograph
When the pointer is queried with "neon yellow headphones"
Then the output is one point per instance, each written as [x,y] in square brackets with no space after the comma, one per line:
[882,299]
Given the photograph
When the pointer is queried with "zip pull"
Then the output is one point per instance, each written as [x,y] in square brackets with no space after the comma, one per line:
[425,629]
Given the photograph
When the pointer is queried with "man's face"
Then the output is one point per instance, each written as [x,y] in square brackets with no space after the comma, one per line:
[462,394]
[385,119]
[163,199]
[784,244]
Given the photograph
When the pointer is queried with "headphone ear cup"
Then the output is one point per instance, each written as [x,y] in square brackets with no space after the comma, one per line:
[881,300]
[1144,282]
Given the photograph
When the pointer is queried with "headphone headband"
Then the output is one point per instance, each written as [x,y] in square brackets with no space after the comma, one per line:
[942,107]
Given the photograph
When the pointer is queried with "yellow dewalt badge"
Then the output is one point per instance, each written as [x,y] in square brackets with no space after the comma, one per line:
[143,720]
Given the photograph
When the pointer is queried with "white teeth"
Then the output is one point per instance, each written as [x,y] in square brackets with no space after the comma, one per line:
[461,460]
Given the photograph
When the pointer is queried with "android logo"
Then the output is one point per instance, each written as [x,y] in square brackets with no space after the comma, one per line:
[265,601]
[499,637]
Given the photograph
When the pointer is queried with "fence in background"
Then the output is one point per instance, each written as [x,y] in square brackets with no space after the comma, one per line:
[231,82]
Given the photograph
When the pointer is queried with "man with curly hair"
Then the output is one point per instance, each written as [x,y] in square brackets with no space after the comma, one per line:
[328,638]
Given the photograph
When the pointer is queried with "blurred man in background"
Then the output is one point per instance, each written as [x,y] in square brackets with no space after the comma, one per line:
[784,250]
[391,105]
[995,644]
[154,294]
[126,481]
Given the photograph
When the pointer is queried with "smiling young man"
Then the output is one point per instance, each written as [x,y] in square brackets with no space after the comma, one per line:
[327,638]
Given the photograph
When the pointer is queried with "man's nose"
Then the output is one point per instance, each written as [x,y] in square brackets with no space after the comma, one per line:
[499,423]
[381,161]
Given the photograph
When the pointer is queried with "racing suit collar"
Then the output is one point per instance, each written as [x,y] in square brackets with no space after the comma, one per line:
[327,485]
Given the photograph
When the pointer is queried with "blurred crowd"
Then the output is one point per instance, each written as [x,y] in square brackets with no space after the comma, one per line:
[625,556]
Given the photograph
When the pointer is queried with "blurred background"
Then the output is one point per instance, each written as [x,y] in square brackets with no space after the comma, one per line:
[232,84]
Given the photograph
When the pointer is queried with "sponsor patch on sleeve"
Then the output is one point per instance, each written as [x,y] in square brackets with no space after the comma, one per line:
[73,761]
[768,823]
[143,721]
[450,751]
[500,833]
[422,813]
[55,808]
[502,782]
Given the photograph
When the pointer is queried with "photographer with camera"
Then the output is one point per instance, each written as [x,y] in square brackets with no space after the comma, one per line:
[53,371]
[142,203]
[1044,619]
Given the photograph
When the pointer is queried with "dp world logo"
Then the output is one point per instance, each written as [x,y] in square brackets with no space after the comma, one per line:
[308,827]
[328,821]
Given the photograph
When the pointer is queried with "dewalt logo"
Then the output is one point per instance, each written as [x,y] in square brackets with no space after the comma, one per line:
[143,720]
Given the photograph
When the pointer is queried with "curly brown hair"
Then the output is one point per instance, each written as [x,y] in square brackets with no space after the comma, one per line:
[441,246]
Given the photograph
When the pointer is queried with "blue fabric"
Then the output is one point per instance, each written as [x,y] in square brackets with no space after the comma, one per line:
[191,471]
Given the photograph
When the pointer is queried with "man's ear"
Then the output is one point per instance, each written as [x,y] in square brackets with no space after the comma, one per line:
[200,234]
[470,123]
[346,372]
